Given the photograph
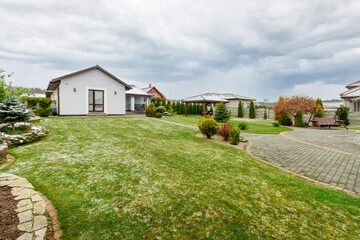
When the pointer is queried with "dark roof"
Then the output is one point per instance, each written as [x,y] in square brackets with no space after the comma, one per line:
[54,83]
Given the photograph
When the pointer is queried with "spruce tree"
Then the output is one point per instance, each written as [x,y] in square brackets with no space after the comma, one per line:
[158,102]
[173,106]
[221,113]
[240,110]
[13,111]
[252,110]
[168,105]
[163,103]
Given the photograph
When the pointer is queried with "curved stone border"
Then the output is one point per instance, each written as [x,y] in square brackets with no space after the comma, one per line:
[36,133]
[31,208]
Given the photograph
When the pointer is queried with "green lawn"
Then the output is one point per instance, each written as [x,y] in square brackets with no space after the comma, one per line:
[173,185]
[254,125]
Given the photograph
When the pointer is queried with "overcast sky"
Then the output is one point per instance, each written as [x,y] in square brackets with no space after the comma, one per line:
[260,49]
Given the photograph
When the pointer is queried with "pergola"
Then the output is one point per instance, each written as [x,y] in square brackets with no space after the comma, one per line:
[205,100]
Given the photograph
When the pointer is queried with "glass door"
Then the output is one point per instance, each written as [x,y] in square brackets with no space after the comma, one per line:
[96,100]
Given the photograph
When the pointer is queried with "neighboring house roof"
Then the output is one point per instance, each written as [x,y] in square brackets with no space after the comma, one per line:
[352,93]
[216,97]
[137,91]
[353,85]
[54,83]
[148,89]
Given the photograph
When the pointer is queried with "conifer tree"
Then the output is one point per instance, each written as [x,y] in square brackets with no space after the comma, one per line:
[265,114]
[319,112]
[168,105]
[221,113]
[240,110]
[158,102]
[163,103]
[182,108]
[13,111]
[173,106]
[178,107]
[252,110]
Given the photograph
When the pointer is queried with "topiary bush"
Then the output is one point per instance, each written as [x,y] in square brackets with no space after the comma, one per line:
[225,130]
[158,115]
[150,110]
[161,109]
[234,136]
[208,126]
[265,114]
[252,110]
[243,125]
[299,121]
[221,113]
[343,115]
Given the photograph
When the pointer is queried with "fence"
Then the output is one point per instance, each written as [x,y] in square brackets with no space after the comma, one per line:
[354,117]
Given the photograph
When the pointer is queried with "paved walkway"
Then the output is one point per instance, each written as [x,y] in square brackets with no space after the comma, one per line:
[328,156]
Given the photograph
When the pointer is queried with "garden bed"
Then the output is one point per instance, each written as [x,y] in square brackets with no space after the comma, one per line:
[24,133]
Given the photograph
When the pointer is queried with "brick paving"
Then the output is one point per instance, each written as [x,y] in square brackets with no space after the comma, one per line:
[329,156]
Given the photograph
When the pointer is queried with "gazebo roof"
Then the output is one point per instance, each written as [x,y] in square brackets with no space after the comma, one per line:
[215,98]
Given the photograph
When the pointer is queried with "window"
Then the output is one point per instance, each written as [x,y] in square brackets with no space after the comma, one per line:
[96,100]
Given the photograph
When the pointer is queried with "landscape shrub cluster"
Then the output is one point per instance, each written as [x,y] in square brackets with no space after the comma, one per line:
[208,126]
[41,106]
[230,133]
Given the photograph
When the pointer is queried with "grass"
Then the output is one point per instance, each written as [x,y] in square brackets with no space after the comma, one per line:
[254,125]
[172,185]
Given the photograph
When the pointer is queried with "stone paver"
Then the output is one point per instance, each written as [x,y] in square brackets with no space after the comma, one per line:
[329,156]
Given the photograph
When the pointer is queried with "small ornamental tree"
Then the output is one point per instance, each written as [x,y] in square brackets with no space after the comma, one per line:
[208,126]
[158,102]
[265,114]
[343,115]
[163,103]
[295,105]
[319,112]
[277,114]
[182,108]
[153,101]
[221,113]
[252,110]
[13,111]
[168,105]
[319,102]
[190,108]
[299,121]
[240,110]
[178,107]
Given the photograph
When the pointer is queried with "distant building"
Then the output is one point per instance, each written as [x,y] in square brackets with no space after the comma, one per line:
[136,99]
[154,92]
[351,97]
[230,100]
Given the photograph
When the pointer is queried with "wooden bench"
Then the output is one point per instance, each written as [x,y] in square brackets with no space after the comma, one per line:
[328,122]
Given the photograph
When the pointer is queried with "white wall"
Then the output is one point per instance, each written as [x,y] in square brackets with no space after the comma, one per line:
[76,103]
[235,103]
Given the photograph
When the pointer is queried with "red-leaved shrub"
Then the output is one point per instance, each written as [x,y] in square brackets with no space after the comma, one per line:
[225,130]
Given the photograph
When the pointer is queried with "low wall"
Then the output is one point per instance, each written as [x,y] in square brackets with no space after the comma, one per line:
[3,152]
[354,117]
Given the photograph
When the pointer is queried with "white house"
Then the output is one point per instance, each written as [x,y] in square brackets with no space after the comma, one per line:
[91,91]
[137,99]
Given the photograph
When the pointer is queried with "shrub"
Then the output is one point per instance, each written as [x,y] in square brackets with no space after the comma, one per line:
[1,141]
[208,126]
[265,114]
[319,112]
[284,119]
[158,115]
[240,110]
[221,113]
[276,124]
[299,121]
[161,109]
[211,111]
[343,115]
[150,110]
[252,110]
[243,126]
[174,107]
[234,137]
[163,103]
[158,102]
[225,130]
[43,112]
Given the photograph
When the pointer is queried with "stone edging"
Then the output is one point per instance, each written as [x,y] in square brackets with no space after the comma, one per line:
[31,208]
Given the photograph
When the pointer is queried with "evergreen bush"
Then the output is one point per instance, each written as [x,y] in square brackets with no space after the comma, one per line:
[276,124]
[161,109]
[43,112]
[240,110]
[319,112]
[178,107]
[163,103]
[221,113]
[158,102]
[343,115]
[243,126]
[284,119]
[252,110]
[234,137]
[173,105]
[208,126]
[182,108]
[211,112]
[299,121]
[265,114]
[150,110]
[158,115]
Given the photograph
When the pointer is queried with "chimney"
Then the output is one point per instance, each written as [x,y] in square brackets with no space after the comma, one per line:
[149,85]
